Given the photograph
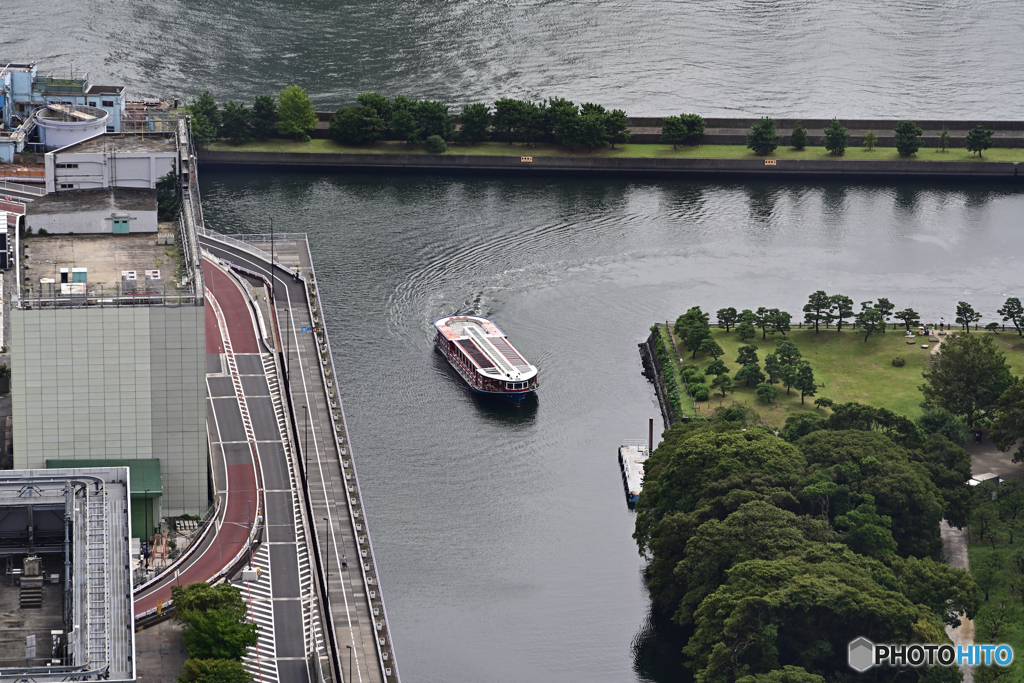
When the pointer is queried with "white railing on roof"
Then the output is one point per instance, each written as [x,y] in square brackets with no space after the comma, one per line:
[33,190]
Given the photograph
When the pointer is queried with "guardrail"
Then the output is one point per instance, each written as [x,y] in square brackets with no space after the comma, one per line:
[33,190]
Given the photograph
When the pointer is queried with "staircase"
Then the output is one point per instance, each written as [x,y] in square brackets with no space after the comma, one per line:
[31,596]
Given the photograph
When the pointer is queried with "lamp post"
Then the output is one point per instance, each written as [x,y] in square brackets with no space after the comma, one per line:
[349,662]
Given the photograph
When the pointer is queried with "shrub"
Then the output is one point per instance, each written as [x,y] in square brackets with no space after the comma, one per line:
[700,392]
[898,362]
[436,144]
[798,138]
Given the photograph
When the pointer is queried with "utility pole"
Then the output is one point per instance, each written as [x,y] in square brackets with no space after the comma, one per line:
[305,445]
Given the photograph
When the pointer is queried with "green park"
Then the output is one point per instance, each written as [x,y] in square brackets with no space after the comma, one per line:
[800,497]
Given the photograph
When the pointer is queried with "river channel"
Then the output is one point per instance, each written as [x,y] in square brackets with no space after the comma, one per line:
[502,535]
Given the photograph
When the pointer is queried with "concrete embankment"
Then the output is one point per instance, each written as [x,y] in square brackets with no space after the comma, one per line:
[626,167]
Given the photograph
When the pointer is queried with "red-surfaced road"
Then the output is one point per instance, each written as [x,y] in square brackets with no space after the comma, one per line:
[240,486]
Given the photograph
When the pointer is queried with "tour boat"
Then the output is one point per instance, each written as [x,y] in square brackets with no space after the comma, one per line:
[632,456]
[484,358]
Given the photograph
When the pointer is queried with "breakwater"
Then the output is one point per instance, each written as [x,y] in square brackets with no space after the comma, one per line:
[624,167]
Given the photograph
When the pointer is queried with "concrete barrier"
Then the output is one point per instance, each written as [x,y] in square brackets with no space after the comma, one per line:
[612,166]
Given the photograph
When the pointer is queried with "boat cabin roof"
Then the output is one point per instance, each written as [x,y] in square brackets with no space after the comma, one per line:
[486,346]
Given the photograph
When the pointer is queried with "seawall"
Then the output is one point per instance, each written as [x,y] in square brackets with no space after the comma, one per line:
[624,167]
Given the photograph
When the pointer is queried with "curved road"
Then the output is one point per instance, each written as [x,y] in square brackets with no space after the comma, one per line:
[234,471]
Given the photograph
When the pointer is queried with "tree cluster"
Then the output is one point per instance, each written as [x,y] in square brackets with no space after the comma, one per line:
[682,129]
[216,632]
[290,114]
[773,554]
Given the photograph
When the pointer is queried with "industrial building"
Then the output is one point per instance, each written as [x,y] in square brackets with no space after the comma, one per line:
[109,160]
[108,329]
[65,599]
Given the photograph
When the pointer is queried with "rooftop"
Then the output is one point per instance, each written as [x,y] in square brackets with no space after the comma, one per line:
[100,199]
[106,256]
[104,89]
[145,472]
[123,144]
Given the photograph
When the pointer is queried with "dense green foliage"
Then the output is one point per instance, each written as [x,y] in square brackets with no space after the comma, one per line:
[356,125]
[436,144]
[1013,311]
[683,129]
[870,140]
[836,138]
[215,621]
[168,197]
[762,138]
[236,123]
[908,139]
[798,138]
[774,555]
[476,123]
[213,671]
[295,113]
[979,139]
[264,117]
[1008,420]
[968,377]
[669,377]
[204,119]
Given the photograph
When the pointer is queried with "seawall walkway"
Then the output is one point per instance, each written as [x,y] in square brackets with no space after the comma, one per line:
[623,167]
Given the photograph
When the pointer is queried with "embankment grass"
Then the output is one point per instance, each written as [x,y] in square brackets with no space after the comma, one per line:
[850,369]
[320,146]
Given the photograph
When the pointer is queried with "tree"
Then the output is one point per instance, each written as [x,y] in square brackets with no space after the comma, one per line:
[787,352]
[295,113]
[476,122]
[979,139]
[213,671]
[869,320]
[798,138]
[168,197]
[843,306]
[381,105]
[788,376]
[908,316]
[762,138]
[727,318]
[870,140]
[356,125]
[236,123]
[766,392]
[709,346]
[264,116]
[747,355]
[780,321]
[677,130]
[1008,420]
[1014,312]
[716,367]
[202,597]
[405,121]
[805,383]
[204,119]
[908,138]
[818,309]
[593,126]
[885,307]
[968,377]
[823,403]
[941,421]
[434,118]
[745,330]
[966,315]
[943,140]
[772,367]
[617,127]
[836,138]
[693,328]
[507,113]
[750,375]
[723,383]
[217,634]
[763,320]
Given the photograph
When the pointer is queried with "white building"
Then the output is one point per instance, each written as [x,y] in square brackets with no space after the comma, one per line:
[112,211]
[110,160]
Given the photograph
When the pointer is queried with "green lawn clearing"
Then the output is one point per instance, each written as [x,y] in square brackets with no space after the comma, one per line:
[320,146]
[850,369]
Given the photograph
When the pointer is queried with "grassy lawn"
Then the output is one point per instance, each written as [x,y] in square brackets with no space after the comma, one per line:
[624,151]
[850,368]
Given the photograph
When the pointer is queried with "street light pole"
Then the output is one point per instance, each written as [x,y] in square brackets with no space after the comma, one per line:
[305,444]
[349,662]
[145,512]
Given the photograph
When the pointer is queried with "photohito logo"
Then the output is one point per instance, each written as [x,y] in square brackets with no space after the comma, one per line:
[863,654]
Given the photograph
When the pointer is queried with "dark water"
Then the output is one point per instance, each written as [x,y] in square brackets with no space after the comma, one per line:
[847,58]
[503,535]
